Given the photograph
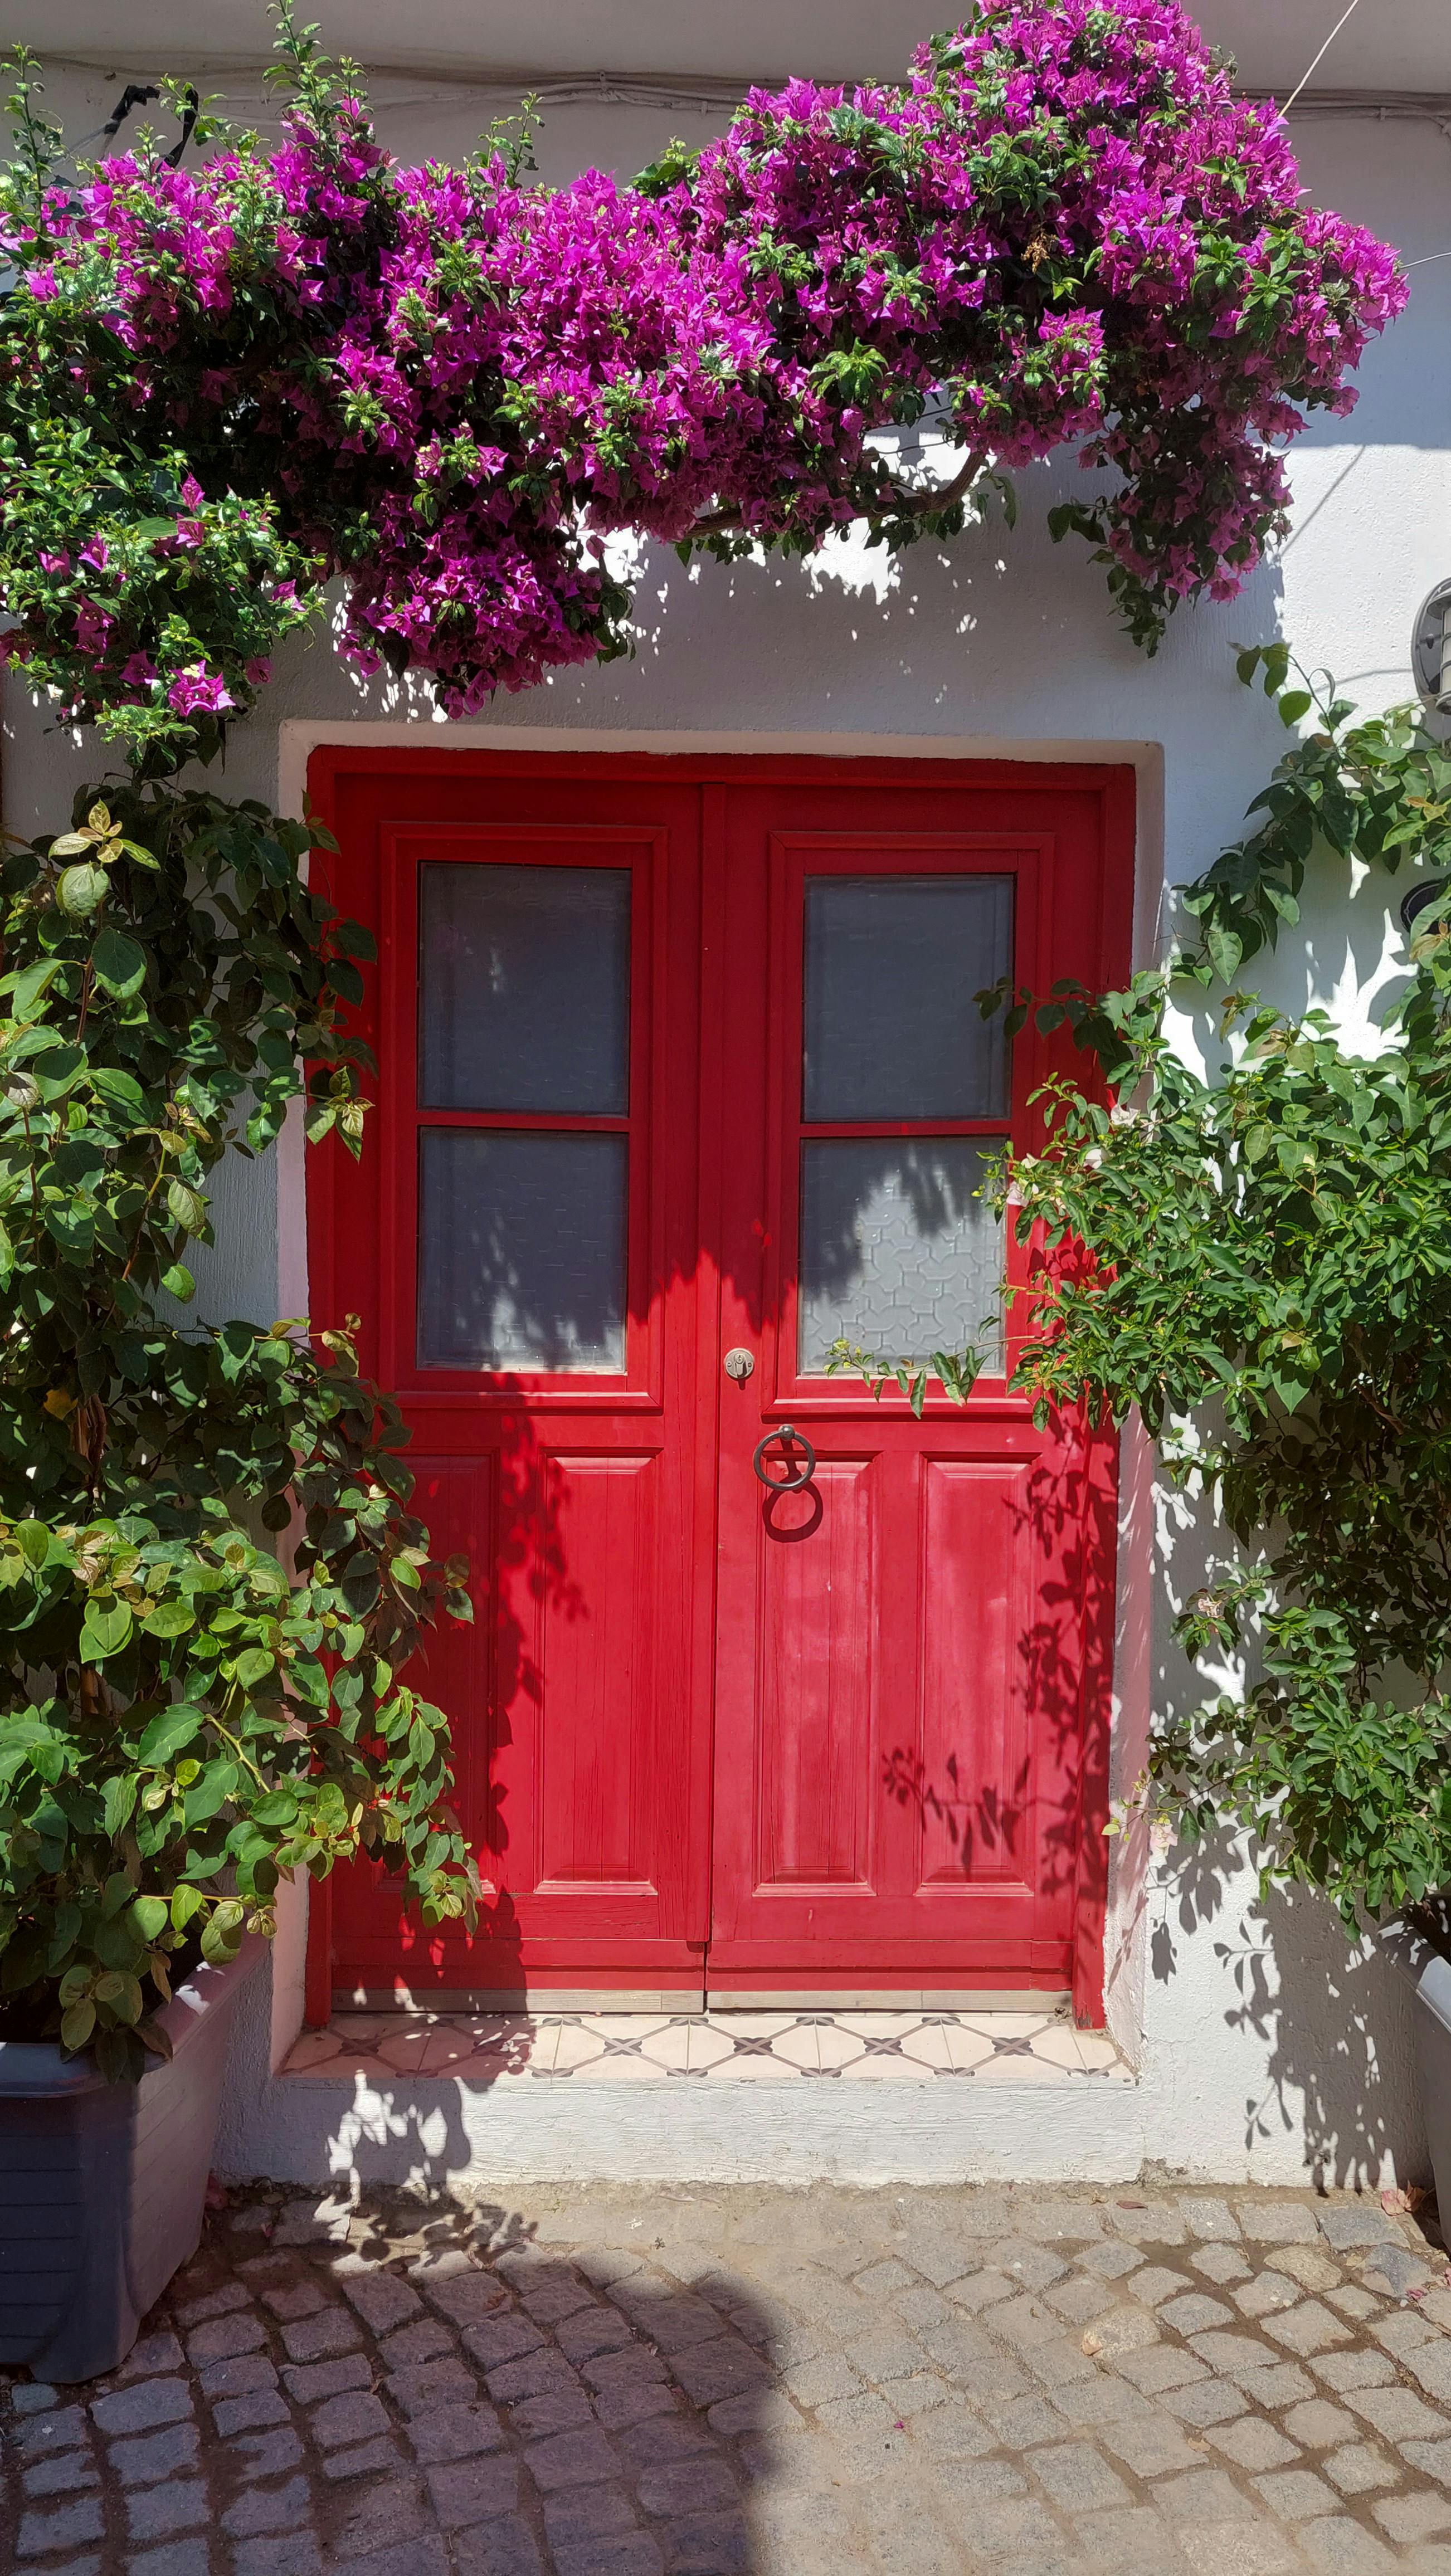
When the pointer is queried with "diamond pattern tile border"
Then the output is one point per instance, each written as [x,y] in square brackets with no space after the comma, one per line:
[712,2048]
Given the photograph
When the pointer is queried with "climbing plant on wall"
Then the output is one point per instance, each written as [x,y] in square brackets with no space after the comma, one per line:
[183,1721]
[1270,1289]
[224,386]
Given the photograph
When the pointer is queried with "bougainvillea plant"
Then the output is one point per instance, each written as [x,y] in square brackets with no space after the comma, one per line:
[222,386]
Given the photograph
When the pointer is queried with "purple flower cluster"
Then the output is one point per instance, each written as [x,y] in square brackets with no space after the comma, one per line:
[448,387]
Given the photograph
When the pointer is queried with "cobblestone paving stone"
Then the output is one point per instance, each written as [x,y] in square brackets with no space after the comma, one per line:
[653,2382]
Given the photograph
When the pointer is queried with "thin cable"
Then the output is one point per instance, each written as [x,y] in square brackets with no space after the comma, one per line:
[1320,57]
[1426,262]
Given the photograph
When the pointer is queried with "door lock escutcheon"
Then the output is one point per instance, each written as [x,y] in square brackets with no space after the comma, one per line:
[740,1365]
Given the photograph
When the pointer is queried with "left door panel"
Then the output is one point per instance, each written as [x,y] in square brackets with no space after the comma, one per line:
[521,1236]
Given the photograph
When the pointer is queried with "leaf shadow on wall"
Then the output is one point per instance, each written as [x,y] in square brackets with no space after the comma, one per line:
[1296,2029]
[1322,2024]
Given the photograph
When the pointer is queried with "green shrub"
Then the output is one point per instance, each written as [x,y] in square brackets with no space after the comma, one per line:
[184,1721]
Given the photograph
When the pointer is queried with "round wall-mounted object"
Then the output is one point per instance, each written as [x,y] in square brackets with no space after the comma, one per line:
[1431,648]
[1432,891]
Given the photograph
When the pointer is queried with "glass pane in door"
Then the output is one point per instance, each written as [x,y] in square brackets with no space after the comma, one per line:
[521,1250]
[524,988]
[899,1257]
[523,1018]
[892,964]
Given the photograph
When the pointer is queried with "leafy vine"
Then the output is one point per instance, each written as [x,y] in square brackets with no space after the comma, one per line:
[1269,1286]
[185,1722]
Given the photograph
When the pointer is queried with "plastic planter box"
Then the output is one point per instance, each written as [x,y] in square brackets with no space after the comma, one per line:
[1433,2047]
[103,2186]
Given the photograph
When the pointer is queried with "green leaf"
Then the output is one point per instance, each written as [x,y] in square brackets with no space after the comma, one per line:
[120,1803]
[64,1929]
[81,890]
[186,1904]
[278,1809]
[118,964]
[187,1206]
[21,1738]
[31,987]
[150,1914]
[122,1088]
[178,1283]
[55,1071]
[122,1992]
[167,1619]
[208,1795]
[223,1935]
[76,2025]
[168,1732]
[33,1539]
[114,2055]
[105,1630]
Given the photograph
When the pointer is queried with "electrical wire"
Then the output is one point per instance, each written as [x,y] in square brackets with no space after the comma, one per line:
[1320,57]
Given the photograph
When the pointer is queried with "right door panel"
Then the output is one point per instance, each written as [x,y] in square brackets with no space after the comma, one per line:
[906,1645]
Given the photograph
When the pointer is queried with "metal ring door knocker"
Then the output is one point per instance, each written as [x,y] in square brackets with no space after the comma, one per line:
[795,1478]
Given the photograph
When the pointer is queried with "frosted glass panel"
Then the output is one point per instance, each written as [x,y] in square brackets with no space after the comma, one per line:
[892,964]
[897,1255]
[524,989]
[521,1250]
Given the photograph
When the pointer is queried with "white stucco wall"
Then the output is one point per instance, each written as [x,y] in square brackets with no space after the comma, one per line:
[1264,2048]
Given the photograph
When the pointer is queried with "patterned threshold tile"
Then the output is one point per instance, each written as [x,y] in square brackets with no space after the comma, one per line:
[711,2048]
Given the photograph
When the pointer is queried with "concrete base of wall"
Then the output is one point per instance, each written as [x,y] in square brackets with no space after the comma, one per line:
[433,2134]
[1184,2114]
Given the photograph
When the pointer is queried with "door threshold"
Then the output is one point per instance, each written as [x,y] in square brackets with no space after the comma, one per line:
[529,2001]
[532,2002]
[888,1999]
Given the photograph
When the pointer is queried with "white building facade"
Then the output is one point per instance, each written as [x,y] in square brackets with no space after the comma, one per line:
[1258,2045]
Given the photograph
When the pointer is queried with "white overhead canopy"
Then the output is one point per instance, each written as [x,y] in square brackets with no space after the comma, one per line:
[1389,46]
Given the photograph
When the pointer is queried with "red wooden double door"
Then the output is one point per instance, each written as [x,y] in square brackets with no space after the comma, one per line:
[683,1088]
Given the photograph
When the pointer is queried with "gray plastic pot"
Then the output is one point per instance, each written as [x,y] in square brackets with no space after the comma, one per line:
[1433,2048]
[103,2186]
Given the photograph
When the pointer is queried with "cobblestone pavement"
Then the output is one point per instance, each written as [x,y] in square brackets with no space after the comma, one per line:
[652,2382]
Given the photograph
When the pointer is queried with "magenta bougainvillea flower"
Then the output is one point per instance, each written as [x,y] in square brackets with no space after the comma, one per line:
[226,386]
